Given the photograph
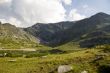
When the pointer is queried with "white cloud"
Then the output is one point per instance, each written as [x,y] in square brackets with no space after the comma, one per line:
[75,16]
[12,21]
[28,12]
[4,1]
[67,2]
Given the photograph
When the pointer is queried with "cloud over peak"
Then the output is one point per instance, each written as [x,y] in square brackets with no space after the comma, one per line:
[75,16]
[28,12]
[24,13]
[41,11]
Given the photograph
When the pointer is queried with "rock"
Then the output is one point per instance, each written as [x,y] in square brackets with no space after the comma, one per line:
[24,56]
[44,56]
[5,54]
[13,60]
[1,55]
[84,71]
[64,68]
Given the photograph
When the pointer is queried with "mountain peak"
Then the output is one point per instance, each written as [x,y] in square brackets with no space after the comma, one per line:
[101,15]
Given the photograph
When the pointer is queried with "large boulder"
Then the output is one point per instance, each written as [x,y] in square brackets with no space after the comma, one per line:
[84,71]
[64,68]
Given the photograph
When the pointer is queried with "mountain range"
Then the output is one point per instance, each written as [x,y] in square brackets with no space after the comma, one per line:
[88,32]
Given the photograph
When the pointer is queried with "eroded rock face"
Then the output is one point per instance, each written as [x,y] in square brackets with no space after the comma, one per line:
[64,68]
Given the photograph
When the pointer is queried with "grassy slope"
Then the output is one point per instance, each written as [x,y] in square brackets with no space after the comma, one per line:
[12,37]
[70,47]
[79,60]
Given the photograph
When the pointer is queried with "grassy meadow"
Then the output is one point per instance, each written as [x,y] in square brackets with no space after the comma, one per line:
[48,63]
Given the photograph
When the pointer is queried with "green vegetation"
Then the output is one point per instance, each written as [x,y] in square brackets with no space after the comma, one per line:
[90,60]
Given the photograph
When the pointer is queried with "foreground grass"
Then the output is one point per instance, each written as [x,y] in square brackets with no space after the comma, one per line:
[78,60]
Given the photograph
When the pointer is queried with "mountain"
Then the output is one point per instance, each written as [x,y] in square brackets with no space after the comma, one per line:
[14,37]
[63,32]
[88,32]
[47,33]
[96,28]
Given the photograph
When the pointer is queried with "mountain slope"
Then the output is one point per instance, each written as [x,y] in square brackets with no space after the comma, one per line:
[97,26]
[89,25]
[60,33]
[13,37]
[47,33]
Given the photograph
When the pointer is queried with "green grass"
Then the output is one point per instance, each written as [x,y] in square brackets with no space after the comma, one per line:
[79,60]
[70,47]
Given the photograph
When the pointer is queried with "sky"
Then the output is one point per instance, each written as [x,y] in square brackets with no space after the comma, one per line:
[25,13]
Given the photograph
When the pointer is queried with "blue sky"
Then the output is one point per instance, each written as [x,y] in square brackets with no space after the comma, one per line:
[25,13]
[89,7]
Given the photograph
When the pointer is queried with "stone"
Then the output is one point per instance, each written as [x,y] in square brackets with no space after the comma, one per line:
[24,56]
[1,55]
[13,60]
[84,71]
[64,68]
[44,56]
[5,54]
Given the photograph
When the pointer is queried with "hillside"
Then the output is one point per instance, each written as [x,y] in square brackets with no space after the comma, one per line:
[13,37]
[64,32]
[88,25]
[47,33]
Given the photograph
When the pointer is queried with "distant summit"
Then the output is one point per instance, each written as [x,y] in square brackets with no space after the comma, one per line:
[101,15]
